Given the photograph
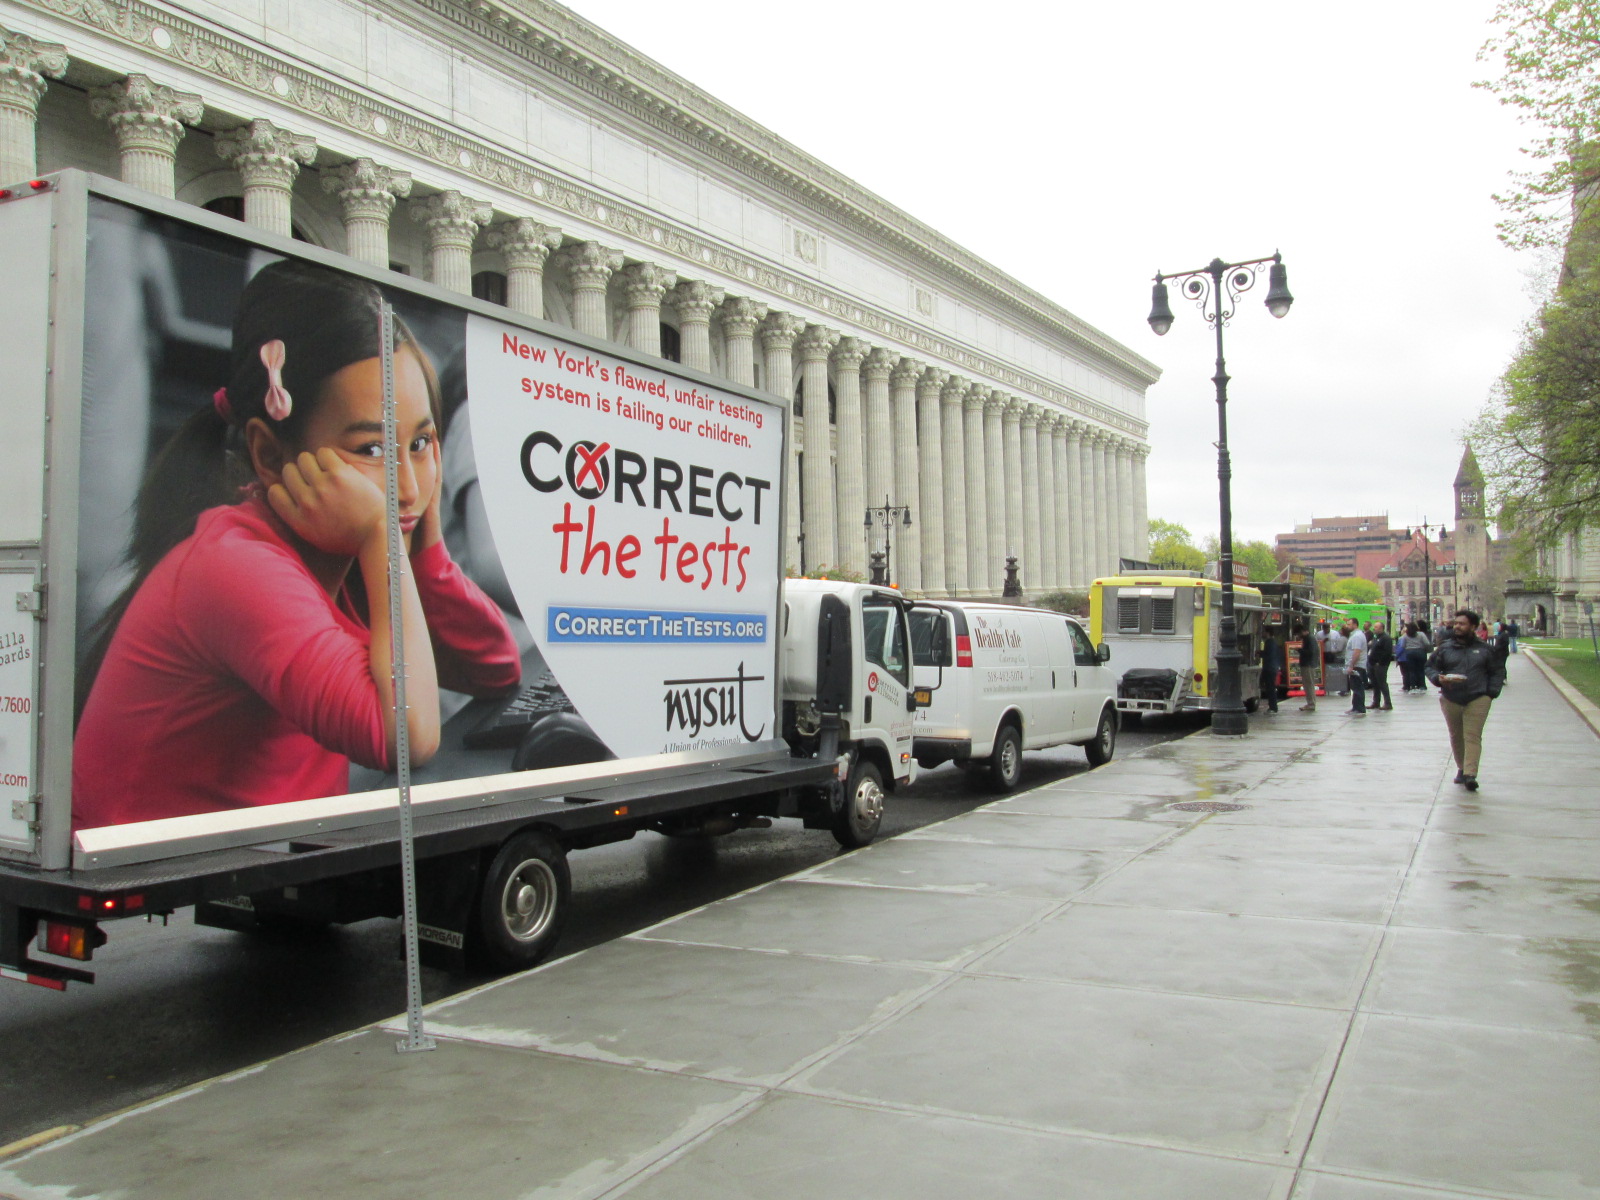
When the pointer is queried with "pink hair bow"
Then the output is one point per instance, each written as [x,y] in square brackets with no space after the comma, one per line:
[278,402]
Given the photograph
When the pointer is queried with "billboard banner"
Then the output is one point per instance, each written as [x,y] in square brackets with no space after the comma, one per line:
[592,543]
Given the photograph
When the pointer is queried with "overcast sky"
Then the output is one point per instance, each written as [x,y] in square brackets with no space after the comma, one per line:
[1082,146]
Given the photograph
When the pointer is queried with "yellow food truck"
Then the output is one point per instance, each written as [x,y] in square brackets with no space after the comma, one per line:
[1164,627]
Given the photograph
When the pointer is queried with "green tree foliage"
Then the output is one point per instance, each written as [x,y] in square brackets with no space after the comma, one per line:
[1361,591]
[1171,545]
[1549,57]
[1538,442]
[1257,556]
[1074,602]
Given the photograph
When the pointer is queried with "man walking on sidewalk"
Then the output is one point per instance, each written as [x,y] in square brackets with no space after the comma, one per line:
[1355,667]
[1380,653]
[1469,675]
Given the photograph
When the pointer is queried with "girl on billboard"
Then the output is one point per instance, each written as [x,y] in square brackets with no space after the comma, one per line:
[249,661]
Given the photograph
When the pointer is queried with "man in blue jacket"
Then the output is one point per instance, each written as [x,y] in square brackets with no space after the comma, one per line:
[1469,674]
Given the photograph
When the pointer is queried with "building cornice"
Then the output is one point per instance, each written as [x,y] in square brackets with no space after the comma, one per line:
[200,47]
[563,44]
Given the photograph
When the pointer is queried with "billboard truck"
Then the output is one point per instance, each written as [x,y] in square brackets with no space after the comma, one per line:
[197,663]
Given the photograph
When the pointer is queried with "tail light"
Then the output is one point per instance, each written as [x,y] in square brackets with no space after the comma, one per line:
[963,650]
[65,939]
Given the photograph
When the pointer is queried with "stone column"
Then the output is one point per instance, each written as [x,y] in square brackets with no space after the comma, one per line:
[1072,472]
[778,333]
[848,356]
[1102,509]
[367,193]
[906,554]
[590,267]
[147,120]
[526,245]
[994,490]
[268,159]
[643,286]
[1045,578]
[980,571]
[24,65]
[694,300]
[930,464]
[878,447]
[1141,503]
[740,316]
[1066,461]
[954,458]
[1088,508]
[452,221]
[1011,450]
[816,498]
[1032,414]
[1125,534]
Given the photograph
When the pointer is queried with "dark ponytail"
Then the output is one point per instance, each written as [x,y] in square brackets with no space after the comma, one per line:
[326,321]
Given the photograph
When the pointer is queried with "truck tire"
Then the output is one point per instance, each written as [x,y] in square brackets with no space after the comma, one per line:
[1103,745]
[856,823]
[522,904]
[1005,761]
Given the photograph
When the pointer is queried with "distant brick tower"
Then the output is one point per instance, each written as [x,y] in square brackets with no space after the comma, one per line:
[1472,537]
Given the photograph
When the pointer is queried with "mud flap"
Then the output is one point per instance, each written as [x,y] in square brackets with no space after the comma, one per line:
[447,899]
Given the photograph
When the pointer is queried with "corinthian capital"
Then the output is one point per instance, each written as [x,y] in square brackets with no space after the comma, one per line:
[954,390]
[1011,413]
[816,343]
[879,363]
[1031,415]
[977,397]
[645,283]
[695,300]
[591,265]
[931,382]
[451,217]
[365,189]
[145,115]
[264,155]
[24,64]
[741,315]
[849,354]
[907,373]
[525,242]
[779,331]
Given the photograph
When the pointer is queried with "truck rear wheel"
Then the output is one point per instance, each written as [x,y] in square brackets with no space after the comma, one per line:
[1005,761]
[856,823]
[1104,744]
[523,902]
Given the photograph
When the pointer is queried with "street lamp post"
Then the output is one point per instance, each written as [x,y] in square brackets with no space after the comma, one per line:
[1215,290]
[885,516]
[1427,572]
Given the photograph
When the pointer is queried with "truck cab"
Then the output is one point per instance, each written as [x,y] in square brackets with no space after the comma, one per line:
[845,654]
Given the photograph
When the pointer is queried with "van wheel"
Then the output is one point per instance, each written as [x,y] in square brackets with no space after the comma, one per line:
[522,903]
[856,823]
[1005,763]
[1104,744]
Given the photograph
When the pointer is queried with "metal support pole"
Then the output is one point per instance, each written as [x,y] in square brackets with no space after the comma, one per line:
[415,1038]
[1228,718]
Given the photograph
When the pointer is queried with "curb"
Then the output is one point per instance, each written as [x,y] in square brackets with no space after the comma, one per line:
[35,1140]
[1581,704]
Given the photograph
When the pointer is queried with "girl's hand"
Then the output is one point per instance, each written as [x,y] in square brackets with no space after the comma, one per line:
[430,530]
[329,503]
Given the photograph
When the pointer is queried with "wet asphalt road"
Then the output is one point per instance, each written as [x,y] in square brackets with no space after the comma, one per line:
[182,1003]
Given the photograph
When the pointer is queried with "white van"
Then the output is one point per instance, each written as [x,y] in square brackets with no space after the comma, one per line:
[1004,680]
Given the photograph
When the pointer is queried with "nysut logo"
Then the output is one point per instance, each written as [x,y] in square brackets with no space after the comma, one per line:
[697,705]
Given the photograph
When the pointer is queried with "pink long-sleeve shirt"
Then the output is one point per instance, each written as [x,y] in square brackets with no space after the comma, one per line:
[235,680]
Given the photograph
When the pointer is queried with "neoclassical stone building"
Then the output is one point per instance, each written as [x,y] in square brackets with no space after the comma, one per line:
[509,149]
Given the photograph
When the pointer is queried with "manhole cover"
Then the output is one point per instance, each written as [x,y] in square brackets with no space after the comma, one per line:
[1208,806]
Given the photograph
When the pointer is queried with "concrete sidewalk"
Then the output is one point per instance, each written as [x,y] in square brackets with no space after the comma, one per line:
[1364,984]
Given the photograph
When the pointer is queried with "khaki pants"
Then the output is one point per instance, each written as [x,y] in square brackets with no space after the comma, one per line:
[1465,722]
[1308,679]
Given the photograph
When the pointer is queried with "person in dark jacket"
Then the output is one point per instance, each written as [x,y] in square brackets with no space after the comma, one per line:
[1310,666]
[1380,653]
[1469,675]
[1271,666]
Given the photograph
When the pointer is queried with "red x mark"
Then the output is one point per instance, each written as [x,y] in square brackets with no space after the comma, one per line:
[591,464]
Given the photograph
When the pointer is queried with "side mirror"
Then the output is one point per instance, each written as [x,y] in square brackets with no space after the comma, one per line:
[1104,653]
